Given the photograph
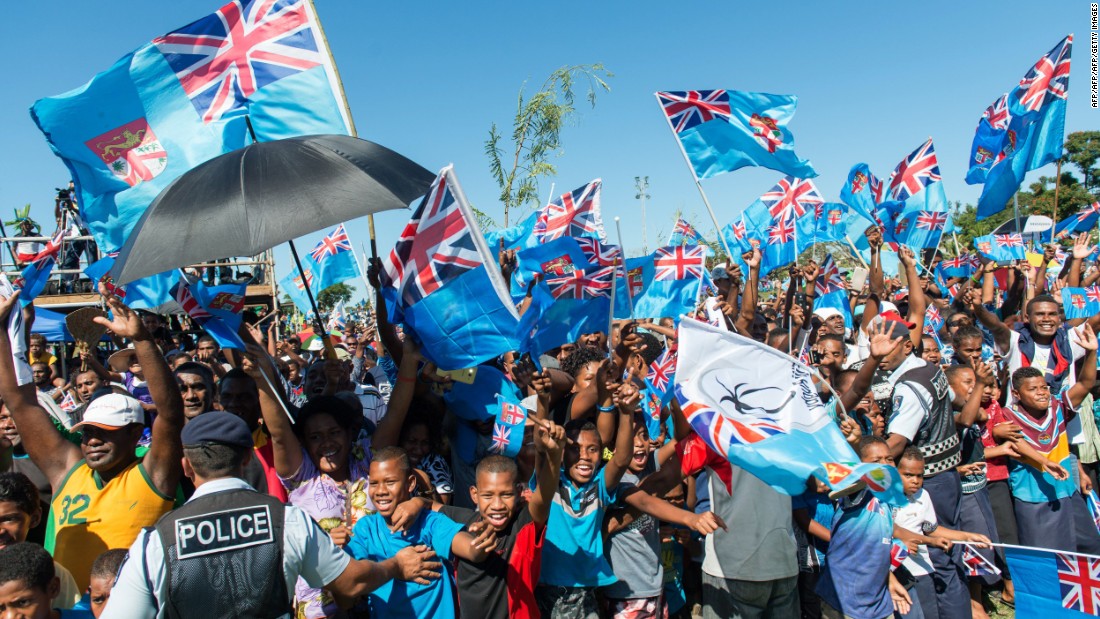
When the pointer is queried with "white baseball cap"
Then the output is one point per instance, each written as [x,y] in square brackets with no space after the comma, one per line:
[826,313]
[112,411]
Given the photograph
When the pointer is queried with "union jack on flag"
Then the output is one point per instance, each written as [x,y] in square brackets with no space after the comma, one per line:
[976,564]
[575,214]
[933,318]
[931,220]
[1088,210]
[792,198]
[914,173]
[436,246]
[899,552]
[335,243]
[830,279]
[662,371]
[583,284]
[1093,293]
[687,109]
[501,438]
[222,59]
[1048,79]
[997,114]
[182,294]
[1079,582]
[1009,240]
[739,229]
[720,431]
[671,263]
[599,254]
[68,403]
[683,233]
[780,232]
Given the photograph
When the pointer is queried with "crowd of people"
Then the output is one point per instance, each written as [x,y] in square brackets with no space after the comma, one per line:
[172,478]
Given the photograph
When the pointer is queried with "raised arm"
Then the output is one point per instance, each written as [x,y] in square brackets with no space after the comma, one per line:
[286,448]
[881,345]
[1086,338]
[1002,335]
[389,428]
[387,334]
[162,462]
[748,297]
[44,444]
[973,408]
[627,398]
[549,443]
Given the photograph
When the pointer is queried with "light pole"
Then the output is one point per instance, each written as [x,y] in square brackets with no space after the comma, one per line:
[641,183]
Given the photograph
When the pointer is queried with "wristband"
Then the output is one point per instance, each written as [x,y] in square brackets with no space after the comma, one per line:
[606,409]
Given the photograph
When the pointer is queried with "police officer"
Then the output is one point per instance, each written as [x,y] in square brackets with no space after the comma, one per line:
[921,415]
[233,552]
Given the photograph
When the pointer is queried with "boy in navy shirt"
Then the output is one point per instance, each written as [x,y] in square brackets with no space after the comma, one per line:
[377,538]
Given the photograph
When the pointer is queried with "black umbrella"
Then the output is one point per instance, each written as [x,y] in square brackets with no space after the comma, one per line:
[247,201]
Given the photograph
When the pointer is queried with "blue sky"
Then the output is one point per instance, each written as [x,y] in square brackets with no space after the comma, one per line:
[874,80]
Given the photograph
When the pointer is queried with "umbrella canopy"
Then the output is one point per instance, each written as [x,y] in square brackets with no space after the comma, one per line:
[247,201]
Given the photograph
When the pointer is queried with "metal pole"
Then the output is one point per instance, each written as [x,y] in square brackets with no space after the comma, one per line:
[629,294]
[698,185]
[1016,211]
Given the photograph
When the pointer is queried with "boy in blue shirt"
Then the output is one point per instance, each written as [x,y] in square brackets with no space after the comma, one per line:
[29,585]
[375,538]
[573,559]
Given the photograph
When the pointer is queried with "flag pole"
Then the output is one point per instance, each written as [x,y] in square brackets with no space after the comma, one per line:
[347,109]
[629,295]
[698,185]
[856,251]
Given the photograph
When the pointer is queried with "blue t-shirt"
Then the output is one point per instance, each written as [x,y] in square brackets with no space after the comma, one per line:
[75,613]
[856,576]
[573,554]
[821,510]
[374,541]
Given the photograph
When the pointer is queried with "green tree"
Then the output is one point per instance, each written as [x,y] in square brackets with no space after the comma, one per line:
[1083,151]
[517,163]
[335,295]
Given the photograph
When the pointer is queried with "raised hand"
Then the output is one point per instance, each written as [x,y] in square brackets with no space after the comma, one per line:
[124,322]
[753,261]
[906,257]
[874,238]
[549,437]
[1085,337]
[811,271]
[798,317]
[882,345]
[734,272]
[542,385]
[984,374]
[373,271]
[1081,247]
[627,397]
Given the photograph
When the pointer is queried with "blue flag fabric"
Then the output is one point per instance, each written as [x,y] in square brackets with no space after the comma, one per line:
[665,283]
[862,192]
[1082,221]
[513,237]
[171,105]
[564,308]
[1081,302]
[828,223]
[292,285]
[476,400]
[1035,129]
[1001,247]
[1053,584]
[216,309]
[447,286]
[989,140]
[333,259]
[507,438]
[151,293]
[724,130]
[555,258]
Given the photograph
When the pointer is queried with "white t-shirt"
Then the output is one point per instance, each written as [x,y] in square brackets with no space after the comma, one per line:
[918,516]
[1042,358]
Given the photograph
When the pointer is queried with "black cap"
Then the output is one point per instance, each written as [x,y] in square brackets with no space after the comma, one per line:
[216,427]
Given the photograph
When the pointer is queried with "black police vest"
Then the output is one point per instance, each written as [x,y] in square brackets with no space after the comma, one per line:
[936,437]
[224,557]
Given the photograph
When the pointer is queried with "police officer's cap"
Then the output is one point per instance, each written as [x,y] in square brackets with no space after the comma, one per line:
[216,428]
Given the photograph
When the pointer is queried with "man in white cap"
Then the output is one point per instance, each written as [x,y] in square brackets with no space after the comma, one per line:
[103,493]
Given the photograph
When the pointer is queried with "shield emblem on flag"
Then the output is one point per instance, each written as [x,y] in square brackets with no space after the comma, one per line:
[766,131]
[131,152]
[562,265]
